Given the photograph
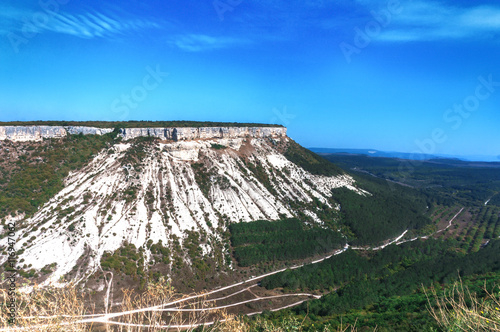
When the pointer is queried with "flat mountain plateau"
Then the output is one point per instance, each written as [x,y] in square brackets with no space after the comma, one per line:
[151,203]
[237,218]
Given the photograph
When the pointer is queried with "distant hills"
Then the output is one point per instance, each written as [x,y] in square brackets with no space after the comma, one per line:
[405,155]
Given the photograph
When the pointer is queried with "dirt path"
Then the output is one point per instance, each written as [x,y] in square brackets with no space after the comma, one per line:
[107,318]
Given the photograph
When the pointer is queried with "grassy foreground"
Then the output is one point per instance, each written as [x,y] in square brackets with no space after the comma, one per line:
[455,309]
[64,309]
[460,309]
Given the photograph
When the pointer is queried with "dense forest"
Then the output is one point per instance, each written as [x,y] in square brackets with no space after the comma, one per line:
[267,242]
[310,161]
[419,260]
[410,312]
[382,214]
[381,281]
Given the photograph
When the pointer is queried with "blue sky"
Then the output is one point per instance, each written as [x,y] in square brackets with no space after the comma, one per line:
[409,75]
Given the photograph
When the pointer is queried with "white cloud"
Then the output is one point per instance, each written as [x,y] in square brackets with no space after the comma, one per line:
[200,42]
[85,25]
[429,20]
[482,18]
[96,25]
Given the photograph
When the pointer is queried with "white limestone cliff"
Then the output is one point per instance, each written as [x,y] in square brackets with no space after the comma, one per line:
[193,133]
[31,133]
[88,130]
[37,133]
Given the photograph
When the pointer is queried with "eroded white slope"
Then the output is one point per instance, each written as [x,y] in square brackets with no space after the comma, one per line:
[119,199]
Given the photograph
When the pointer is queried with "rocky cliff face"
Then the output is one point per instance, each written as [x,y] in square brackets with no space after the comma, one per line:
[32,133]
[37,133]
[189,133]
[88,130]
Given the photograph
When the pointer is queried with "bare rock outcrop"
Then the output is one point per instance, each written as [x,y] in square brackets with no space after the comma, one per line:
[192,133]
[31,133]
[88,130]
[37,133]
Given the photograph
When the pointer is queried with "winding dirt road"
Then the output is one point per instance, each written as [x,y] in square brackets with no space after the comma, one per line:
[107,318]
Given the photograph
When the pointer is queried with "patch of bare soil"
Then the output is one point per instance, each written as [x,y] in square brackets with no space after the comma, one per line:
[246,149]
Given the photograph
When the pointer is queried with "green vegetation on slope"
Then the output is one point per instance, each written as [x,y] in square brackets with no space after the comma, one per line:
[38,173]
[384,214]
[127,260]
[485,226]
[310,161]
[473,300]
[269,241]
[442,268]
[376,218]
[383,289]
[352,265]
[203,177]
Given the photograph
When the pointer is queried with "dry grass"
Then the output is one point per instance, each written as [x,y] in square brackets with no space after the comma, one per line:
[157,294]
[460,310]
[46,309]
[62,309]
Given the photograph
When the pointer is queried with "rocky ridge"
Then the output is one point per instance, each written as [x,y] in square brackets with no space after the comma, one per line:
[37,133]
[31,133]
[191,133]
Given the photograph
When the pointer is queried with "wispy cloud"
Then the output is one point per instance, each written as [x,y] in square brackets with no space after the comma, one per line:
[201,42]
[96,25]
[83,25]
[430,20]
[88,24]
